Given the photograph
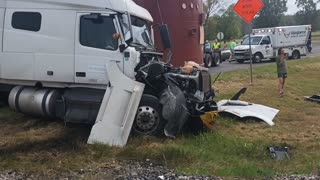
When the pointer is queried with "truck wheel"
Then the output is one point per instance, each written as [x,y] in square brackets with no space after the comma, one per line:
[207,61]
[148,119]
[296,54]
[240,61]
[257,58]
[216,61]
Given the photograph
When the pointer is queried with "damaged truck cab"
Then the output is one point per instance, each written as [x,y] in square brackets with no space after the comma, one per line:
[94,62]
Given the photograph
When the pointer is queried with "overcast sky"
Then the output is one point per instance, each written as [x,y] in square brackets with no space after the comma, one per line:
[292,8]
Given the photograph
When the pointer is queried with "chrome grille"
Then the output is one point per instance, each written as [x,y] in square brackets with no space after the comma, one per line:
[206,81]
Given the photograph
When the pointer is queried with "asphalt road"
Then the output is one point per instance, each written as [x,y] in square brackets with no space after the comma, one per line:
[226,66]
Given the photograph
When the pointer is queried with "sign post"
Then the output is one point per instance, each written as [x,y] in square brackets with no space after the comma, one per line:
[220,36]
[247,10]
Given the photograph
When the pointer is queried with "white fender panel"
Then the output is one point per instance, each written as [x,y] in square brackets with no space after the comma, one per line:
[118,109]
[244,109]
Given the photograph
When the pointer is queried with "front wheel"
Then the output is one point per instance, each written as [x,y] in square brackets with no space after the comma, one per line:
[149,119]
[216,61]
[207,60]
[257,58]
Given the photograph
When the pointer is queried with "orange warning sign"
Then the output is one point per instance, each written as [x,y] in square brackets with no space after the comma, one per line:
[247,9]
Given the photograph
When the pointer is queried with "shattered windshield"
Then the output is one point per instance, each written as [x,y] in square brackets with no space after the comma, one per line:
[254,40]
[141,33]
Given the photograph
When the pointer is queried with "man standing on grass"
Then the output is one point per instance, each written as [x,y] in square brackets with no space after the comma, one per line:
[282,70]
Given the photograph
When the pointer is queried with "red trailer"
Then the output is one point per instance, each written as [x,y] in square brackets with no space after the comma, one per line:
[185,19]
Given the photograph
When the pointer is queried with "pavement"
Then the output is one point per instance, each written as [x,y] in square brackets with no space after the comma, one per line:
[226,66]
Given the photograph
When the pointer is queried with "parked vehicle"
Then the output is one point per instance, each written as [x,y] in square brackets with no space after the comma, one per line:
[211,58]
[76,60]
[225,55]
[266,42]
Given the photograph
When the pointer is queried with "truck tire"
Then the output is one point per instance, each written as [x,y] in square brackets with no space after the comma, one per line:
[207,60]
[257,58]
[148,120]
[296,54]
[240,61]
[216,60]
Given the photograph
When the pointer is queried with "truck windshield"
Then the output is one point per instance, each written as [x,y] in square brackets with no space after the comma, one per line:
[141,34]
[254,40]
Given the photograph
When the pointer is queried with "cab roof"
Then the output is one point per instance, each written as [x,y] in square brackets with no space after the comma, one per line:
[116,5]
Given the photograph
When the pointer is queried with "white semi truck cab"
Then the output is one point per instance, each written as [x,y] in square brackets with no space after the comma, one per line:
[94,62]
[266,42]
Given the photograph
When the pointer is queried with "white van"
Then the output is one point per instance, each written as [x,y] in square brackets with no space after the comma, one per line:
[266,42]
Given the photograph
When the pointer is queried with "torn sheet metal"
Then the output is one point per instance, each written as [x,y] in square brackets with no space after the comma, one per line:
[244,109]
[314,98]
[279,153]
[118,109]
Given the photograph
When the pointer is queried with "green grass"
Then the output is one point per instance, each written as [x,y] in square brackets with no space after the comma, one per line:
[316,36]
[233,148]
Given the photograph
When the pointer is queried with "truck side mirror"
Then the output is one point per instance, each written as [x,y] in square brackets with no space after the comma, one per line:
[122,47]
[265,42]
[165,36]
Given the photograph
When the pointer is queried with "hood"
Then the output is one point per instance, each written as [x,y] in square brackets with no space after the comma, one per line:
[244,47]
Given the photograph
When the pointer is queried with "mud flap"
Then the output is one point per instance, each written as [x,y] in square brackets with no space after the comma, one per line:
[118,109]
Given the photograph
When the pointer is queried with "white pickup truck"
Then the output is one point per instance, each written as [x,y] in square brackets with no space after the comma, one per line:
[266,42]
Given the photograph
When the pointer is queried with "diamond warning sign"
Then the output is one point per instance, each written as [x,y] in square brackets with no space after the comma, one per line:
[247,9]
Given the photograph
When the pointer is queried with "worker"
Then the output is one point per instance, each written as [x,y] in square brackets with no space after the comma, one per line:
[207,47]
[216,45]
[225,45]
[233,44]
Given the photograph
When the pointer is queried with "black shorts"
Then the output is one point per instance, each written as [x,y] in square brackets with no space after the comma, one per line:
[282,75]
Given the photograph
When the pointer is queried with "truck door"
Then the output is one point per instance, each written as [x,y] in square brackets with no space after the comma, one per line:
[267,47]
[95,46]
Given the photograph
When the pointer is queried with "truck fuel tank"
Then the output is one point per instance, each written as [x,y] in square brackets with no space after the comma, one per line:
[34,101]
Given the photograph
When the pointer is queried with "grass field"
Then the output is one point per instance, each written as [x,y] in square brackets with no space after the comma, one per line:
[233,148]
[316,36]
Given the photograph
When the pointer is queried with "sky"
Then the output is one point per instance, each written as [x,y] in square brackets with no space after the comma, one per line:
[292,8]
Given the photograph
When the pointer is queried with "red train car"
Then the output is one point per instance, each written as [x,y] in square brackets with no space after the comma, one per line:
[185,19]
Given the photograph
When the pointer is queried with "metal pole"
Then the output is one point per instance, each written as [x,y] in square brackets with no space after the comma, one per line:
[251,78]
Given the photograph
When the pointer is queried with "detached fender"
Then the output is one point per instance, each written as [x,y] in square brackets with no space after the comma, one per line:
[244,109]
[118,109]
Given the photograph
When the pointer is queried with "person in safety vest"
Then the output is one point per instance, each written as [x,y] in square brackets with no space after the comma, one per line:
[216,45]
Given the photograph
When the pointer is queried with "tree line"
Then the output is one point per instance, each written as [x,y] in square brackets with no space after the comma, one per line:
[272,14]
